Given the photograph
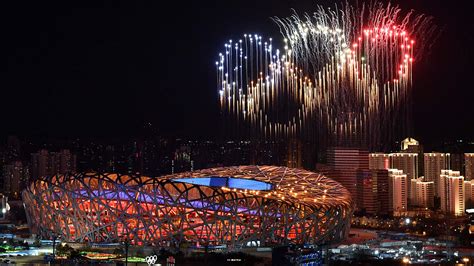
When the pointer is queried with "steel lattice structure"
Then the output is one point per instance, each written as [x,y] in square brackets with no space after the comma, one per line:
[229,205]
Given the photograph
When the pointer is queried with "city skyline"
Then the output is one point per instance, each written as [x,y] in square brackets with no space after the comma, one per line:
[66,74]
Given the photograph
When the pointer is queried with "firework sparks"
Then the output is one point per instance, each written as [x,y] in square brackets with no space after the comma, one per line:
[343,77]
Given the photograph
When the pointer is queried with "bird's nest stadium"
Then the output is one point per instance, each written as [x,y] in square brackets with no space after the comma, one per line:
[233,206]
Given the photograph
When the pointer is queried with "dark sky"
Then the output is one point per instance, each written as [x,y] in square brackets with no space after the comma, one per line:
[76,69]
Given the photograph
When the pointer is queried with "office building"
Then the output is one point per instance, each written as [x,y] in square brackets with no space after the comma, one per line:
[344,164]
[373,191]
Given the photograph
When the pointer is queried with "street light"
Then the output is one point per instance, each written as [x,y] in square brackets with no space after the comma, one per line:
[465,260]
[126,244]
[55,237]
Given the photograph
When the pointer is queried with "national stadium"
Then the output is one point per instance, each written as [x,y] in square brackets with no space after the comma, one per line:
[233,206]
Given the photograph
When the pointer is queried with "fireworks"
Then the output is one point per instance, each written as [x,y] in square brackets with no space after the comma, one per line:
[343,77]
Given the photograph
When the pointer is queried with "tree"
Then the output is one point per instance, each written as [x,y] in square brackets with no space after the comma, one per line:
[140,253]
[118,251]
[25,245]
[37,243]
[64,250]
[74,254]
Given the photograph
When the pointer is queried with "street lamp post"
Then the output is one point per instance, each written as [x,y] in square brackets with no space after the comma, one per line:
[55,237]
[126,244]
[466,261]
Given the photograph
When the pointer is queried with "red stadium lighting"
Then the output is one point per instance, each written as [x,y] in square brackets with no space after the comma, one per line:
[222,206]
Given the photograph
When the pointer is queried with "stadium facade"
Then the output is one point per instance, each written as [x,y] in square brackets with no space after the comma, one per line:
[234,206]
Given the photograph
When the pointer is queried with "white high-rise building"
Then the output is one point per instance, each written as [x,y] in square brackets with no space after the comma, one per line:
[397,191]
[413,190]
[425,194]
[455,194]
[434,162]
[442,189]
[408,163]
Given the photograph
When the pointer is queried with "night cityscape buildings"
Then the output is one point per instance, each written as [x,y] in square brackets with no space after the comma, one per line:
[398,202]
[131,91]
[469,165]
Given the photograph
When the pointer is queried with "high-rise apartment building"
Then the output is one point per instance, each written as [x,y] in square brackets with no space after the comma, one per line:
[40,164]
[425,194]
[456,162]
[469,194]
[45,163]
[434,162]
[366,192]
[442,189]
[455,194]
[15,177]
[294,158]
[413,190]
[408,163]
[62,162]
[397,191]
[469,166]
[381,186]
[379,161]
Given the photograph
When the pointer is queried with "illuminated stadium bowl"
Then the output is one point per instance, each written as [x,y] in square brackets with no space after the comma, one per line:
[233,206]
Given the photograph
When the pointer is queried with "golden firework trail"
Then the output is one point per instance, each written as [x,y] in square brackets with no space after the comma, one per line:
[343,78]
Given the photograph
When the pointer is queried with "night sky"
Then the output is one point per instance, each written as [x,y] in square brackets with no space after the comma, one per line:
[80,70]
